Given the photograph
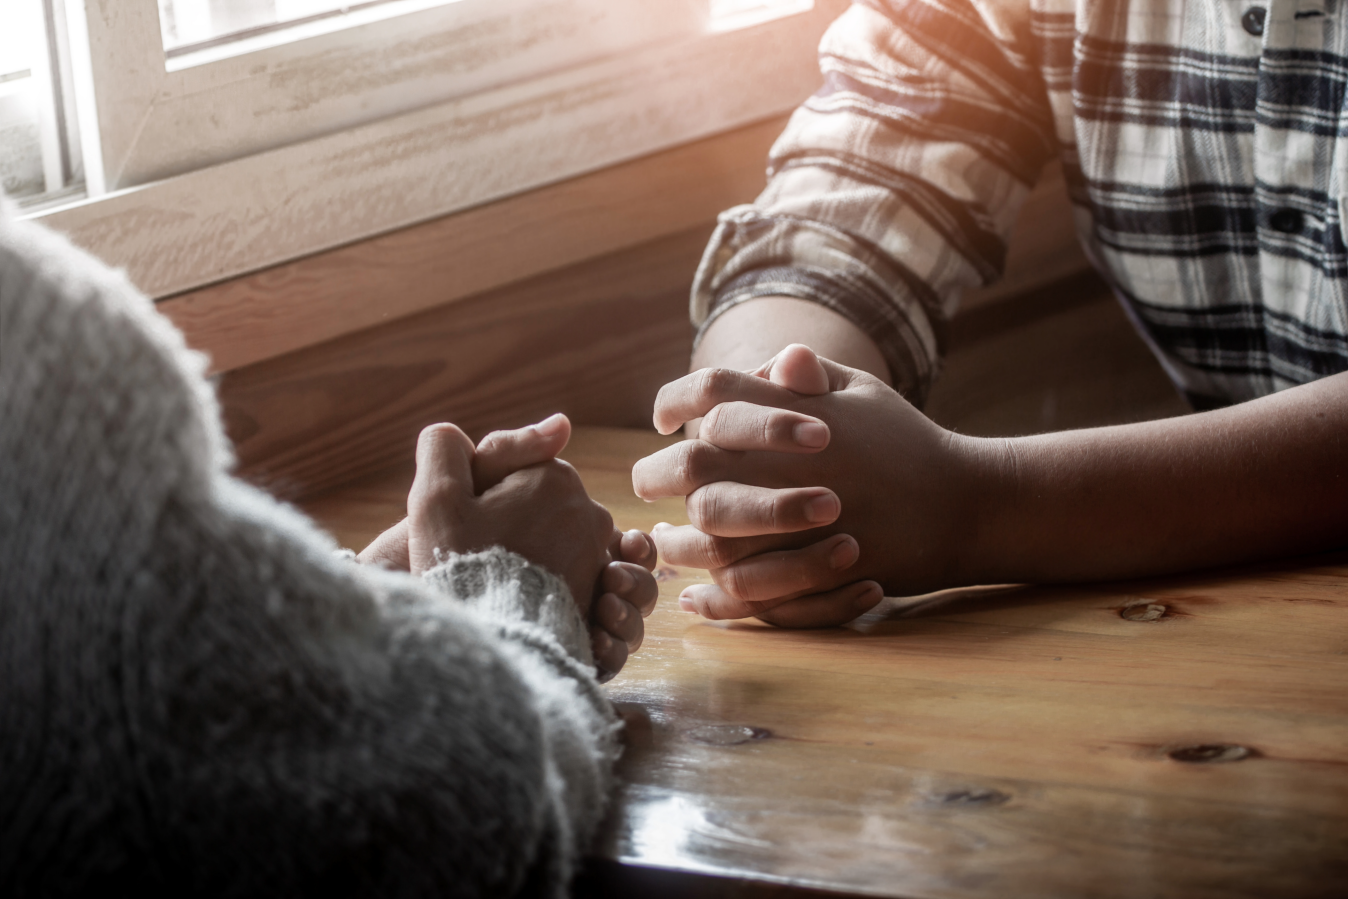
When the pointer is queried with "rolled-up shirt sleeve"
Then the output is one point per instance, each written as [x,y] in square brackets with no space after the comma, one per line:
[894,188]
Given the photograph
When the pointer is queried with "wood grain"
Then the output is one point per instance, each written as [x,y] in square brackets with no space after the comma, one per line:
[990,742]
[328,295]
[595,340]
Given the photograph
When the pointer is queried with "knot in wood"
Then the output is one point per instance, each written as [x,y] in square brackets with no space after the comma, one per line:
[727,734]
[975,796]
[1143,611]
[1208,753]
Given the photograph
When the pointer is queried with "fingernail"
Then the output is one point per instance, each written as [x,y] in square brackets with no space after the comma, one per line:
[551,426]
[601,643]
[810,434]
[844,554]
[686,602]
[821,509]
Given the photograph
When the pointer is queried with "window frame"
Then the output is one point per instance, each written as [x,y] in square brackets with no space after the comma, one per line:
[262,208]
[160,117]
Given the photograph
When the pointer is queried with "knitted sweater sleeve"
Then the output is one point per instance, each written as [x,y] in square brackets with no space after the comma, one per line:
[441,737]
[544,638]
[199,698]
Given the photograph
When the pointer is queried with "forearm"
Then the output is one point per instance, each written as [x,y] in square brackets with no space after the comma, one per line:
[751,333]
[1263,479]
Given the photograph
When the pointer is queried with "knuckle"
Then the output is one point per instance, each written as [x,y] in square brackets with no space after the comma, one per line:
[713,383]
[704,510]
[719,553]
[558,471]
[684,465]
[735,582]
[560,476]
[768,430]
[697,462]
[706,609]
[712,424]
[776,516]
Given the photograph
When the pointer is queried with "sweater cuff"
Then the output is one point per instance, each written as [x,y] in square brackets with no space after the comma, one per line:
[505,587]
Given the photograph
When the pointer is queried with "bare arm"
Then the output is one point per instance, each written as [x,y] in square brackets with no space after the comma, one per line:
[747,335]
[932,509]
[1263,479]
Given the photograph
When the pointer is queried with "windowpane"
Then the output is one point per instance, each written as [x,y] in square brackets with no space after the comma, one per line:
[21,173]
[192,24]
[31,160]
[727,14]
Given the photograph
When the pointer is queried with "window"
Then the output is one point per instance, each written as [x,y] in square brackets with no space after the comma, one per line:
[162,113]
[40,159]
[242,133]
[191,25]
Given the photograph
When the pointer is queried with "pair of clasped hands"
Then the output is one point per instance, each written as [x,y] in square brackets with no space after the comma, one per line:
[782,485]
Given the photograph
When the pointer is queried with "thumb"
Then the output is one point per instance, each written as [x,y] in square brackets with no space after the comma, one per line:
[502,453]
[388,550]
[442,486]
[444,463]
[798,369]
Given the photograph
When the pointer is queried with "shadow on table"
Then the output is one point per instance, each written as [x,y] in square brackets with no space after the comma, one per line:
[958,601]
[601,879]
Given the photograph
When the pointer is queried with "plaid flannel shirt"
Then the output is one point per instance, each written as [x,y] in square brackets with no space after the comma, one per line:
[1205,144]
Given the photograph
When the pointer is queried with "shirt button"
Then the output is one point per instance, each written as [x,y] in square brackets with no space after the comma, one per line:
[1253,20]
[1286,220]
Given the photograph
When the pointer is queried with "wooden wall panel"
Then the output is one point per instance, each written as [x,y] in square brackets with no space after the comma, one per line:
[321,297]
[595,340]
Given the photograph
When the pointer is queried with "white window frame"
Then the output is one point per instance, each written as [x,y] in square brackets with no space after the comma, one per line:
[161,116]
[205,200]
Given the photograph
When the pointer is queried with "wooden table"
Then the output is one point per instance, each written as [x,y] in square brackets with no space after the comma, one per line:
[1183,736]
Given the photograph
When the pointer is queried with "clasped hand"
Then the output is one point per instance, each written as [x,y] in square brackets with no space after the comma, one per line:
[512,491]
[813,489]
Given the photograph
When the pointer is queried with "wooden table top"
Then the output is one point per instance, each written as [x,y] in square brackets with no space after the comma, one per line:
[1184,736]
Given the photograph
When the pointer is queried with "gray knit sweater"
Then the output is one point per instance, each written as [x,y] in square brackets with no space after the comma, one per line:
[199,697]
